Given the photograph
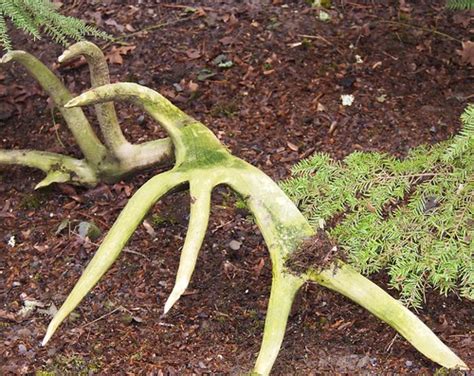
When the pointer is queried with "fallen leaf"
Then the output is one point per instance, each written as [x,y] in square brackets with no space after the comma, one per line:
[64,223]
[130,28]
[204,74]
[50,311]
[5,315]
[462,19]
[381,98]
[114,56]
[192,86]
[149,228]
[467,52]
[347,99]
[88,229]
[193,54]
[292,146]
[112,22]
[258,267]
[226,40]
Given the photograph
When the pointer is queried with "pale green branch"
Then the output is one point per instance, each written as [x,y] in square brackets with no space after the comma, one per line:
[200,191]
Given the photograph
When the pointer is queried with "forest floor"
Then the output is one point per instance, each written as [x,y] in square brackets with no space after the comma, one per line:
[267,78]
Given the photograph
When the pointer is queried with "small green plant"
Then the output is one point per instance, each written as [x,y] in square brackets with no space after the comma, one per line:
[412,217]
[36,17]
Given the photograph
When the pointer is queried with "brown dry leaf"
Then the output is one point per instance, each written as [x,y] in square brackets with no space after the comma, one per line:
[112,22]
[192,86]
[467,52]
[257,269]
[292,146]
[5,315]
[149,228]
[462,19]
[130,28]
[226,40]
[193,54]
[114,56]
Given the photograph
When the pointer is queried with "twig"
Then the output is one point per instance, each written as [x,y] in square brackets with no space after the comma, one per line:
[104,316]
[319,37]
[135,253]
[148,28]
[436,32]
[391,343]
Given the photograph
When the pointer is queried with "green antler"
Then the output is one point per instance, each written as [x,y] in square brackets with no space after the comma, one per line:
[203,163]
[101,162]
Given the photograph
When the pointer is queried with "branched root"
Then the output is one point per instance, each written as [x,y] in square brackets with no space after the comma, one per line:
[99,73]
[118,157]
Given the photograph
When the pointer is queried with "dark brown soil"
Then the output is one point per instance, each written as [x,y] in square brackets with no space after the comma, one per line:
[278,103]
[316,252]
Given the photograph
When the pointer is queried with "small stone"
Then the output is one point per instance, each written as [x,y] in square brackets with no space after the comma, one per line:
[235,245]
[409,363]
[21,349]
[364,361]
[52,351]
[178,87]
[433,129]
[140,119]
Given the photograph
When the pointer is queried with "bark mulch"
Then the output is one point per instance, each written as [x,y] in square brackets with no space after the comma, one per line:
[267,78]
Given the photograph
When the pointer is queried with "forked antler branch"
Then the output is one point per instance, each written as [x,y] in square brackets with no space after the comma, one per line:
[203,163]
[108,162]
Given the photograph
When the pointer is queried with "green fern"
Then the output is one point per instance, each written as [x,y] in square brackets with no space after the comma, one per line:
[37,17]
[412,217]
[460,4]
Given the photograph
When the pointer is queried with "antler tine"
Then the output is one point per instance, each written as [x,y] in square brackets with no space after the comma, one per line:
[160,108]
[99,73]
[89,143]
[200,192]
[123,228]
[361,290]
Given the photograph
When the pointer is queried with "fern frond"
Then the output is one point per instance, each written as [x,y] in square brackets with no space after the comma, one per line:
[460,4]
[37,16]
[4,39]
[412,217]
[465,139]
